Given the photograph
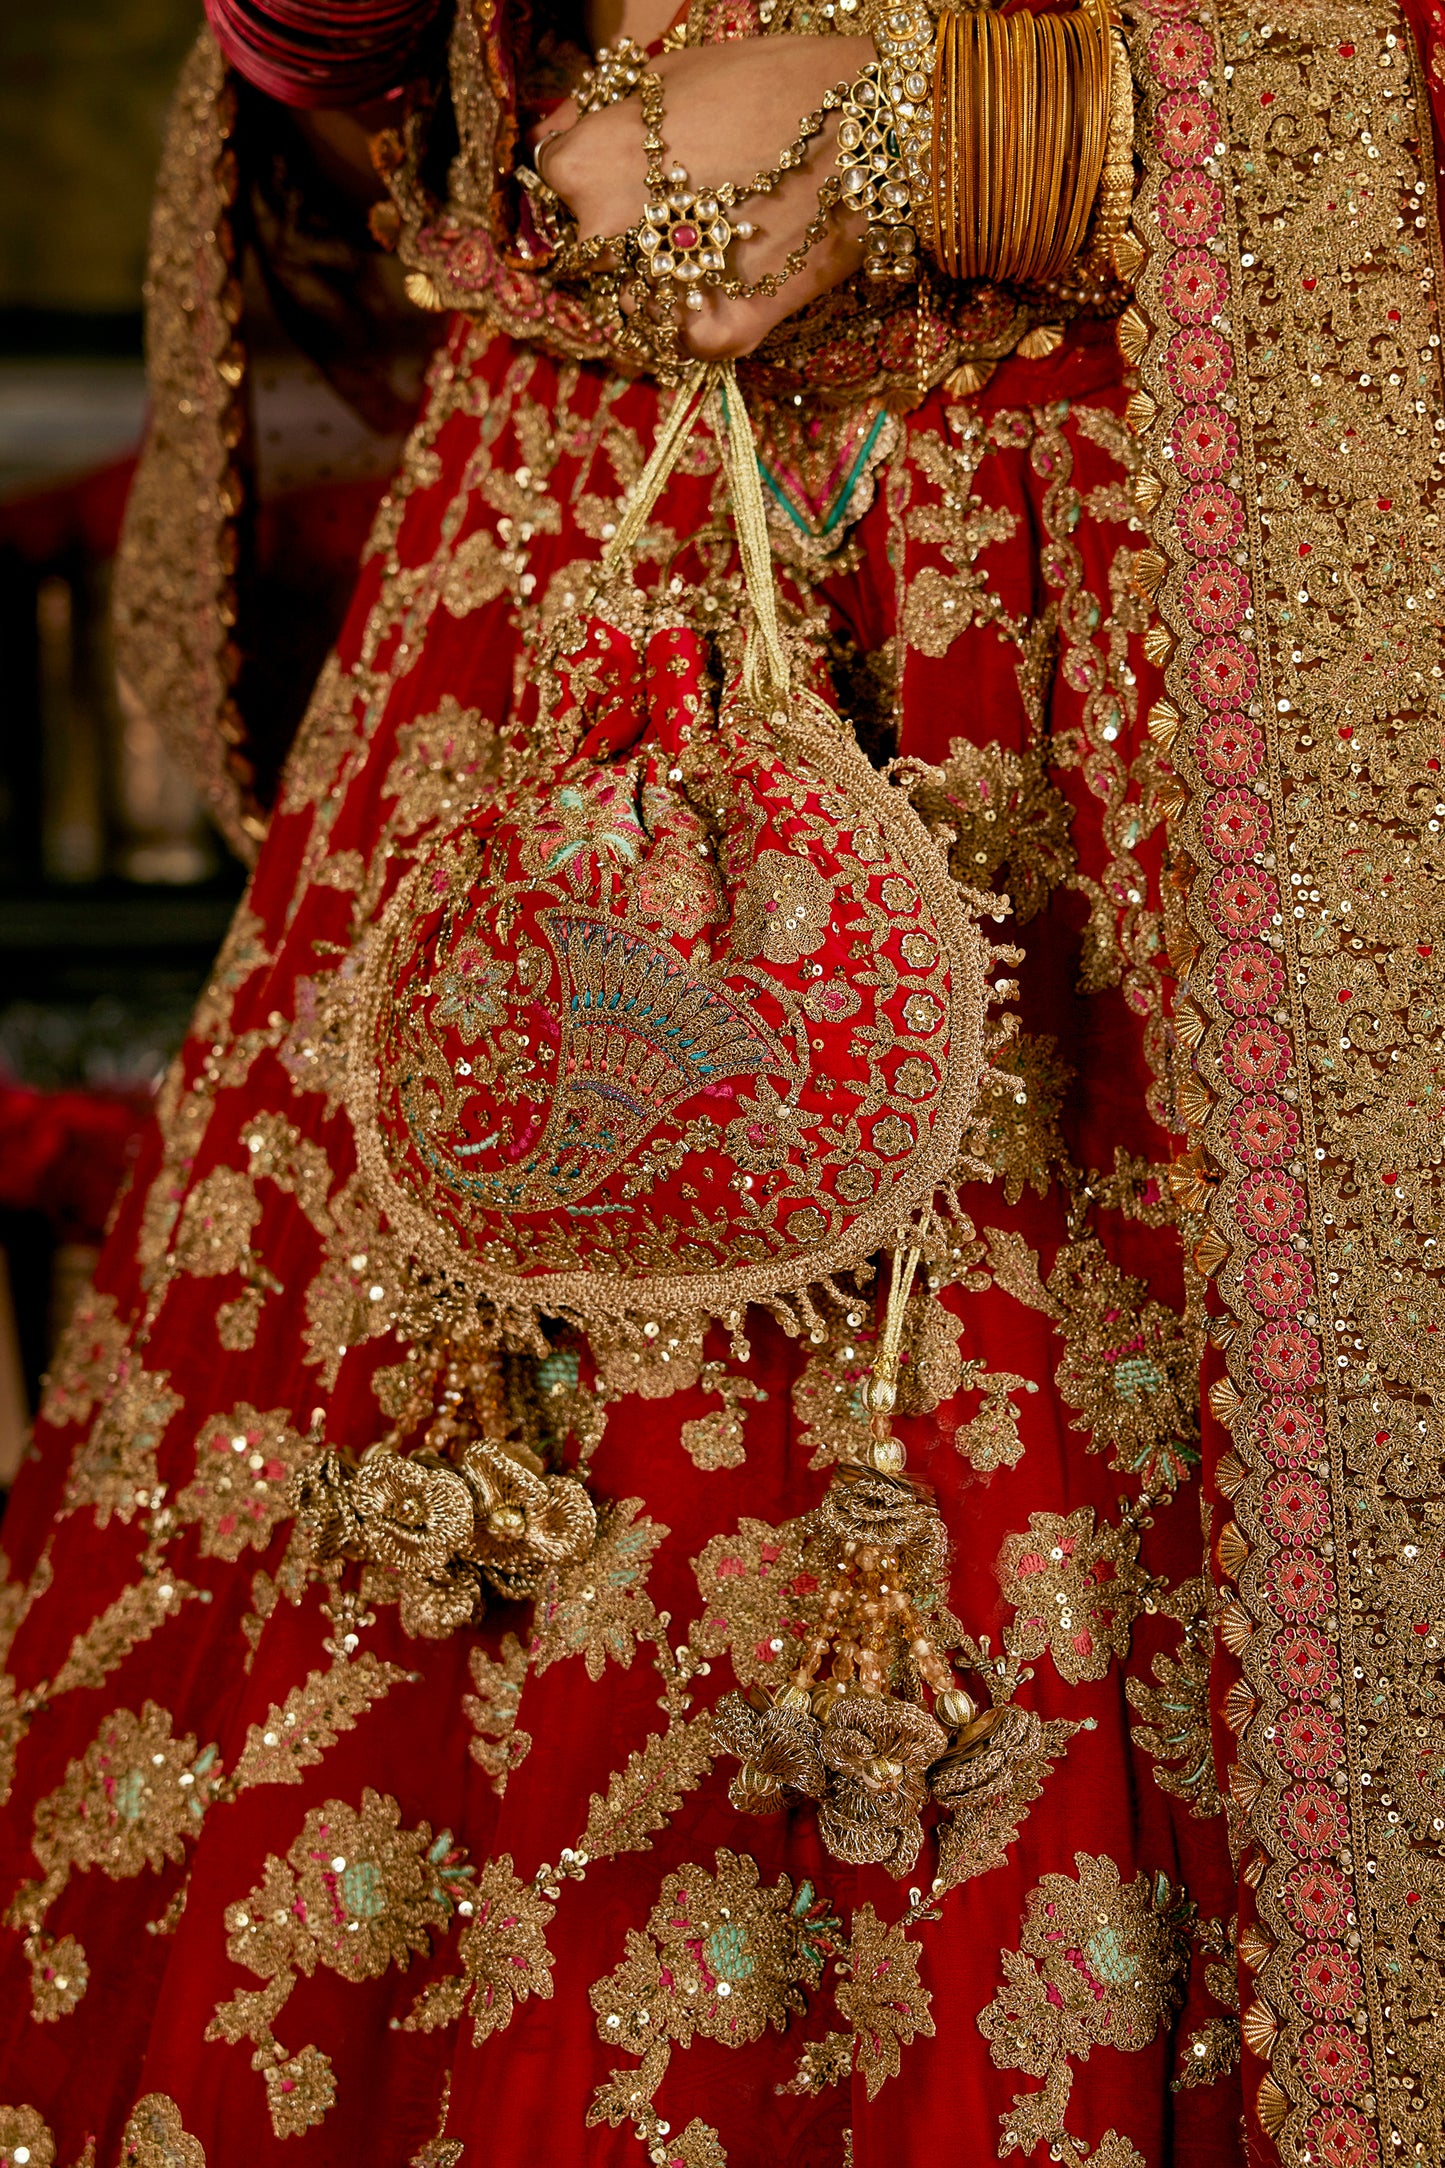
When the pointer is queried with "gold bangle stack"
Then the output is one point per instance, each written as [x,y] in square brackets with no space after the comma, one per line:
[1021,110]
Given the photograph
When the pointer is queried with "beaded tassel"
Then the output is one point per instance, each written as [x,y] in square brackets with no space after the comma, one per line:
[852,1727]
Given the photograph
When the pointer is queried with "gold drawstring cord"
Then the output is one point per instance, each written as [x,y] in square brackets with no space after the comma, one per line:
[714,387]
[880,1394]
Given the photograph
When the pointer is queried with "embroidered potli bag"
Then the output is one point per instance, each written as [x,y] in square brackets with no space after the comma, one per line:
[690,1016]
[687,1017]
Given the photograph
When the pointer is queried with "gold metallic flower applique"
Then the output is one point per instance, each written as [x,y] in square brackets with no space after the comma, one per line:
[780,1751]
[436,1534]
[878,1754]
[864,1714]
[852,1594]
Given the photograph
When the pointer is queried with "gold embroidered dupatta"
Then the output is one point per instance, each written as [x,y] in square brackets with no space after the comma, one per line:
[1292,420]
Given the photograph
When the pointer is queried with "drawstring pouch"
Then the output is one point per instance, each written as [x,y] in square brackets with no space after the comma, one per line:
[692,1015]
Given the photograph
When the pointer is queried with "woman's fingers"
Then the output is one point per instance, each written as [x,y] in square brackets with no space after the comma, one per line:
[560,121]
[598,169]
[724,329]
[730,111]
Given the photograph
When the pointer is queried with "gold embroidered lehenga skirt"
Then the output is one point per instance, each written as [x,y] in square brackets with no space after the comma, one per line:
[287,1860]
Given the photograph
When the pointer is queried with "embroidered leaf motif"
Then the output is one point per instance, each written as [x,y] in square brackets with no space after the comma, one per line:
[1211,2052]
[1112,2151]
[248,2014]
[341,1310]
[135,1614]
[218,1219]
[300,2091]
[13,1721]
[440,2004]
[59,1975]
[492,1711]
[1015,1130]
[882,1999]
[115,1467]
[827,1392]
[1015,1269]
[1175,1709]
[1037,2118]
[86,1361]
[699,2146]
[824,2062]
[441,2151]
[295,1734]
[623,2097]
[504,1957]
[989,1803]
[645,1795]
[990,1438]
[714,1440]
[155,2137]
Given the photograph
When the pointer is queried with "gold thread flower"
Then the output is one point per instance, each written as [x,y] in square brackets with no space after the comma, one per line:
[414,1516]
[878,1753]
[778,1747]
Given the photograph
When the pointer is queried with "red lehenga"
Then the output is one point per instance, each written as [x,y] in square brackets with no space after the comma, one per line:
[294,1871]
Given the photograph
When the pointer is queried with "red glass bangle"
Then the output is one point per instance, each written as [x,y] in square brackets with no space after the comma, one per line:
[321,52]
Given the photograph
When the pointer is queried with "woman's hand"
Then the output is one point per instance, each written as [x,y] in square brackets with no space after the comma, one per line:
[731,109]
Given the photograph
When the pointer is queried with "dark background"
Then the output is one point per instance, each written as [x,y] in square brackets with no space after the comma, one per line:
[113,890]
